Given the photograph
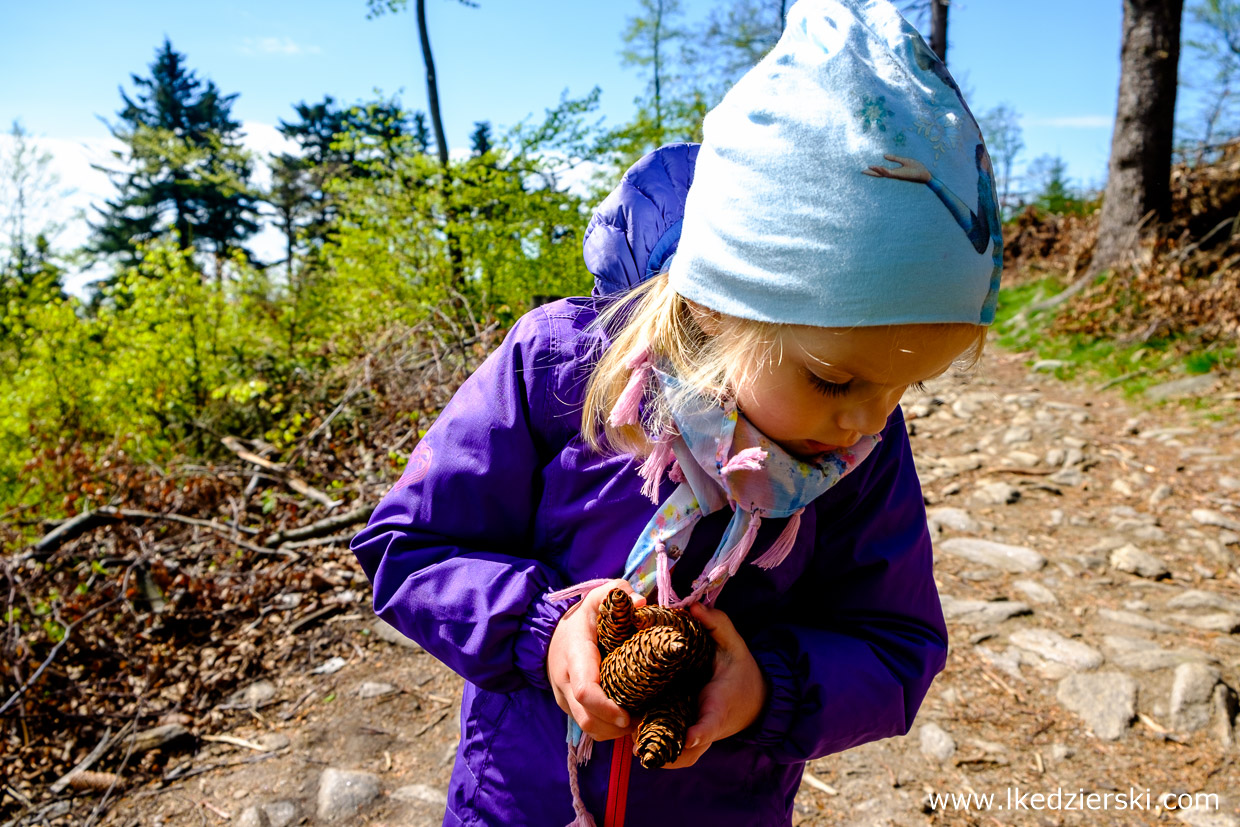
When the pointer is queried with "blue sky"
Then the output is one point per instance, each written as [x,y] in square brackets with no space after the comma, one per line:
[1056,62]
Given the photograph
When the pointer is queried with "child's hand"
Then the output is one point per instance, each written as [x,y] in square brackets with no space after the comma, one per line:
[573,668]
[735,695]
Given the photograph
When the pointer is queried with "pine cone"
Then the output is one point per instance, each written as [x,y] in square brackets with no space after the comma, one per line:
[661,736]
[615,621]
[644,666]
[701,664]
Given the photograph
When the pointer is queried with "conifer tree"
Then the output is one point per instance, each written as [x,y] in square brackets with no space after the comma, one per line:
[182,170]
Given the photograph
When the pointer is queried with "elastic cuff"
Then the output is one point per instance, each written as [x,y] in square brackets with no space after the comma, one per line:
[534,639]
[777,716]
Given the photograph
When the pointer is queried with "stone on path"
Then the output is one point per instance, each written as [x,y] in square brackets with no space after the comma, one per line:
[1055,647]
[386,631]
[1188,386]
[1018,434]
[1131,559]
[1214,622]
[1147,656]
[1036,592]
[996,493]
[957,519]
[1208,516]
[371,689]
[1198,599]
[1015,559]
[1206,818]
[935,742]
[420,792]
[342,793]
[1191,696]
[1105,701]
[975,612]
[255,695]
[253,817]
[1224,706]
[280,813]
[1136,621]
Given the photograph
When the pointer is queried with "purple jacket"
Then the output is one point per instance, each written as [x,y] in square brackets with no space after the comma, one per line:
[502,502]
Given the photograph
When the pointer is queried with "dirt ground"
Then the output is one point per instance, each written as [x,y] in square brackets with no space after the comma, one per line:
[1101,656]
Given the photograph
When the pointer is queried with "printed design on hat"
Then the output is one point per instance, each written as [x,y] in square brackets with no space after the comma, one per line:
[941,130]
[874,112]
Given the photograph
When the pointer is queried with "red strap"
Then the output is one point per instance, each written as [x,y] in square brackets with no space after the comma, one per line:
[618,786]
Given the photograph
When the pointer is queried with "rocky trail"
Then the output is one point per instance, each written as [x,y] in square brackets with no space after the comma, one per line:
[1086,554]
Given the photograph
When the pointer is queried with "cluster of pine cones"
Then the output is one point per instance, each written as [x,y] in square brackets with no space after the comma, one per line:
[655,662]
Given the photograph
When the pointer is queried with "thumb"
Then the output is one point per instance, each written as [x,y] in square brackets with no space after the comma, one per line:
[709,724]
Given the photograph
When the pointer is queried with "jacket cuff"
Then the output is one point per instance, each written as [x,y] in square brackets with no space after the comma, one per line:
[782,700]
[534,639]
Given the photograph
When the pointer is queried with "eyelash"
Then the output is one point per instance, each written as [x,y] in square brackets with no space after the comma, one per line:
[836,389]
[829,388]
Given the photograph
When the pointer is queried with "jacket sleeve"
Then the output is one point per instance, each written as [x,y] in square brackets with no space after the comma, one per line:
[858,670]
[449,548]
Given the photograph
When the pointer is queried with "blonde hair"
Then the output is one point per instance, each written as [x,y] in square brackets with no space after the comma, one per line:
[707,351]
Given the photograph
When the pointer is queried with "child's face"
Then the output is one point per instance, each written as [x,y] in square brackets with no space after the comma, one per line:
[831,386]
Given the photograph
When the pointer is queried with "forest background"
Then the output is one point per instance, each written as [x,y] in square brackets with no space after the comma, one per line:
[403,261]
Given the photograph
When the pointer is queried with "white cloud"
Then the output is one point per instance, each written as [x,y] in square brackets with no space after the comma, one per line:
[1074,122]
[280,46]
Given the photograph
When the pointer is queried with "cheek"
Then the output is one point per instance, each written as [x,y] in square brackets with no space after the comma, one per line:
[782,412]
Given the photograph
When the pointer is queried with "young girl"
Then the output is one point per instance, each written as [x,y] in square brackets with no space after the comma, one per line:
[717,427]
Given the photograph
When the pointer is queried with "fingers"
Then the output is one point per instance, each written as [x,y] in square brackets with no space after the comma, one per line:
[719,625]
[701,735]
[578,693]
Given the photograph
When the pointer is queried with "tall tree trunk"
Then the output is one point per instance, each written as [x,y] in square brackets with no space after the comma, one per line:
[1139,172]
[938,28]
[432,87]
[441,144]
[658,75]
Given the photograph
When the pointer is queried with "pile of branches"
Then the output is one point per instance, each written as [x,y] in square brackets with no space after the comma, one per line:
[1183,280]
[144,613]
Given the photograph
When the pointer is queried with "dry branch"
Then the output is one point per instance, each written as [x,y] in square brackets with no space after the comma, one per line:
[290,479]
[324,526]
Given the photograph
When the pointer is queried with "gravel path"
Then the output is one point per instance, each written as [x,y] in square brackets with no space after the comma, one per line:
[1086,553]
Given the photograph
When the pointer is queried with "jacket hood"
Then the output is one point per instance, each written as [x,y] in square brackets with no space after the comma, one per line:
[635,230]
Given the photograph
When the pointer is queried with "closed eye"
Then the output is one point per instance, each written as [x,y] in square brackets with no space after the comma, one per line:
[829,388]
[920,387]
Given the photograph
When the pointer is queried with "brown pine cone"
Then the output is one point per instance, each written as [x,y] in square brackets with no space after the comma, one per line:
[644,666]
[661,736]
[701,644]
[615,621]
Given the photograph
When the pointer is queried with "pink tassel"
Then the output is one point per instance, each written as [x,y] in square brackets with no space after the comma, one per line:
[712,583]
[576,591]
[750,459]
[652,469]
[583,817]
[737,555]
[676,475]
[627,410]
[663,580]
[779,550]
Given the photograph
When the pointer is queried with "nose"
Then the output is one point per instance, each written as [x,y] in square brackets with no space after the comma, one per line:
[868,415]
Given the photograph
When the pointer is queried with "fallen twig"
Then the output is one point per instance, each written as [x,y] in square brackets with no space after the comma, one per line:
[318,529]
[290,479]
[431,724]
[236,742]
[86,763]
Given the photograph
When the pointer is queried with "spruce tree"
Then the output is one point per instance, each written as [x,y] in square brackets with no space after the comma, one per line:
[182,171]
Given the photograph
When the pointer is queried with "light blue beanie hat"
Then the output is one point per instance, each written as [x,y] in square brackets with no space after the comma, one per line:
[843,182]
